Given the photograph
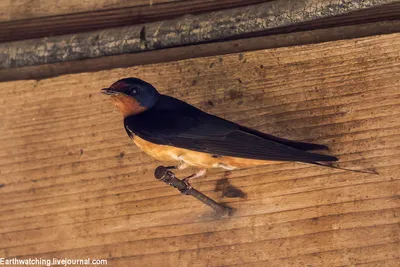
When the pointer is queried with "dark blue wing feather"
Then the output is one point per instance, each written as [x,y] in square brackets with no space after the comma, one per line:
[176,123]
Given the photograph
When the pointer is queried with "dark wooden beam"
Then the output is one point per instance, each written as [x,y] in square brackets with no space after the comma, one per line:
[103,19]
[269,18]
[201,50]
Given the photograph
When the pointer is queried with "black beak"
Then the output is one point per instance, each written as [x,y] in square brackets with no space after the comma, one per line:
[109,91]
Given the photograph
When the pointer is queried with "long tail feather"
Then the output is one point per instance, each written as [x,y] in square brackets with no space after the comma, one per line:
[330,165]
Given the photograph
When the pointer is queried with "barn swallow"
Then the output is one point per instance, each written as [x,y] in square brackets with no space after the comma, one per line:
[169,129]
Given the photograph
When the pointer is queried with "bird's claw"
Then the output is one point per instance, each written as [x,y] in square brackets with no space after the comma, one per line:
[171,167]
[188,186]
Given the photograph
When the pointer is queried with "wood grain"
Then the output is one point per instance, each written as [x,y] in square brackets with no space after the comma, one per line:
[271,17]
[32,22]
[200,50]
[27,9]
[73,185]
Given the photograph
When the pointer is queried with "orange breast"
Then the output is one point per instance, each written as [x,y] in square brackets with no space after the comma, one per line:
[194,158]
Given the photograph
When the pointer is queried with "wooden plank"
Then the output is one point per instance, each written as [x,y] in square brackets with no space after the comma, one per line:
[273,17]
[90,20]
[201,50]
[28,9]
[73,185]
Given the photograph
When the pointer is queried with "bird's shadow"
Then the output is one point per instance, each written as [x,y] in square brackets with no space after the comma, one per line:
[228,190]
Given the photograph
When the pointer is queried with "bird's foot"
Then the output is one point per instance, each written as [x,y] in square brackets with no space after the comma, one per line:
[197,174]
[171,167]
[187,189]
[181,165]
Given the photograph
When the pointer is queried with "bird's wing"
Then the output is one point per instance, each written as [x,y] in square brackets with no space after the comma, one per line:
[187,127]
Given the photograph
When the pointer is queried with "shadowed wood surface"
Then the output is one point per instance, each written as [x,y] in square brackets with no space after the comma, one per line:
[73,185]
[202,50]
[271,17]
[49,18]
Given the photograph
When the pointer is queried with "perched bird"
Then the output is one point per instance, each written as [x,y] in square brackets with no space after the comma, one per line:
[169,129]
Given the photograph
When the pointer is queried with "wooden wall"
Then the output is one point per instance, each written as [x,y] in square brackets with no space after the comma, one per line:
[73,185]
[23,19]
[28,9]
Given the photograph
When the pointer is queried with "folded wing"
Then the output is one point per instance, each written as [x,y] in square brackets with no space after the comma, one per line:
[178,124]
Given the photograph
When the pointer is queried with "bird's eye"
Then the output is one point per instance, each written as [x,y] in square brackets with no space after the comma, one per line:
[134,90]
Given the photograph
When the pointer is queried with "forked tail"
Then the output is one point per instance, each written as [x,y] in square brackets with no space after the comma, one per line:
[330,165]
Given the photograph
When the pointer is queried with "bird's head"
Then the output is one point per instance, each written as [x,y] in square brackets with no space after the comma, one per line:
[132,95]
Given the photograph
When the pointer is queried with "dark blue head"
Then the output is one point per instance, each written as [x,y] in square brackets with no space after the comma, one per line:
[144,93]
[132,95]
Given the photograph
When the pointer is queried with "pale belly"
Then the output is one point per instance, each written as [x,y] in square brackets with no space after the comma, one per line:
[194,158]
